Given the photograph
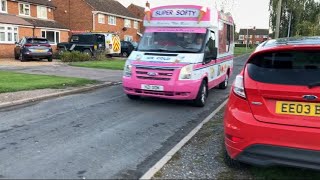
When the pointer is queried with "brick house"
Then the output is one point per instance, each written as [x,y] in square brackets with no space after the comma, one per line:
[139,12]
[98,16]
[20,18]
[256,36]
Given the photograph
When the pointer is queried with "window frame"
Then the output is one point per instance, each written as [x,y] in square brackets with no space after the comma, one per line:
[55,36]
[112,20]
[6,6]
[135,24]
[241,37]
[128,36]
[127,23]
[14,34]
[24,9]
[39,9]
[101,19]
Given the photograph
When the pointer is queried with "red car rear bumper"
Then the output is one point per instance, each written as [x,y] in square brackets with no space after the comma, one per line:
[265,144]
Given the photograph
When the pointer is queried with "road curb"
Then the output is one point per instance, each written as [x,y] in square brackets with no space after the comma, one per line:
[163,161]
[59,94]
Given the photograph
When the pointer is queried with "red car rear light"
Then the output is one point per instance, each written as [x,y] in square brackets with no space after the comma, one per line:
[28,45]
[238,87]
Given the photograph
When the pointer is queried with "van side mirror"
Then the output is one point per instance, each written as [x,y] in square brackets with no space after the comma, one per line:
[210,55]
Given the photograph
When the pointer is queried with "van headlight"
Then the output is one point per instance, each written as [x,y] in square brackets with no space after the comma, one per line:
[186,72]
[127,69]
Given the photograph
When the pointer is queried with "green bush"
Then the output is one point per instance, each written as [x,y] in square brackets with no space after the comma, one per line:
[75,56]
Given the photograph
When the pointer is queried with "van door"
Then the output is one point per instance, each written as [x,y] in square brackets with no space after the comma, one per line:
[100,41]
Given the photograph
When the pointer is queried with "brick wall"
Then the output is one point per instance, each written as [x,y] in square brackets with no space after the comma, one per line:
[13,8]
[117,28]
[137,12]
[75,14]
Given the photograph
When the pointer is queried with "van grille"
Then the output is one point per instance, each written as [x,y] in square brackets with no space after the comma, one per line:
[155,73]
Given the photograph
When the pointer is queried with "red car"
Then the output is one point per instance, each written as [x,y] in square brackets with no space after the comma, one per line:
[273,114]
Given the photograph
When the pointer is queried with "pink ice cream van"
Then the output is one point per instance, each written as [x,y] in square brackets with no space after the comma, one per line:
[185,51]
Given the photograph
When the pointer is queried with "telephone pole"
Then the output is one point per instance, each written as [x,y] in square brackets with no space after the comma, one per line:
[278,18]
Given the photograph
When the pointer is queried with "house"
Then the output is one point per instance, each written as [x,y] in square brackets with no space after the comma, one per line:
[256,36]
[20,18]
[98,16]
[139,12]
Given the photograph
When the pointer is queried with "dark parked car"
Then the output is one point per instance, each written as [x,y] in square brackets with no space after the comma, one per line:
[92,43]
[126,48]
[33,47]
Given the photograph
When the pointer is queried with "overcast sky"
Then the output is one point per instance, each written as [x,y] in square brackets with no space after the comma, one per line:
[247,13]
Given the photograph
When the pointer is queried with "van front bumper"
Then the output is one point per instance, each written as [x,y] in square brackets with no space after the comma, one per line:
[177,90]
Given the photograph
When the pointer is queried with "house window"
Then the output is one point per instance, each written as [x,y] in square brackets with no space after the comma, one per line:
[42,12]
[52,36]
[8,34]
[112,20]
[257,36]
[136,24]
[24,9]
[241,37]
[128,38]
[101,19]
[3,6]
[266,36]
[127,23]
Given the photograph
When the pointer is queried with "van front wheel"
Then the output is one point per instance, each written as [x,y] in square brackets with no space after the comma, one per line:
[202,96]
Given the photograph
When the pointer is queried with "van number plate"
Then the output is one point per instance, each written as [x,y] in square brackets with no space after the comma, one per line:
[152,87]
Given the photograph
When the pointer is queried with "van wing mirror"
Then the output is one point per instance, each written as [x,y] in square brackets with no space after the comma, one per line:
[210,55]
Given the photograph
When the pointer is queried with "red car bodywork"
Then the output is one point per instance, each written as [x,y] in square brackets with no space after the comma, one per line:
[256,134]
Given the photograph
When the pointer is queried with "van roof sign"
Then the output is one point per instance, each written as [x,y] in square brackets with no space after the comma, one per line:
[180,16]
[176,13]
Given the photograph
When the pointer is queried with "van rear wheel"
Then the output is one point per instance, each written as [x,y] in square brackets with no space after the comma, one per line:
[225,83]
[88,52]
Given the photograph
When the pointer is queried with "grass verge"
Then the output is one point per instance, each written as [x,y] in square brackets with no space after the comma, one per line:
[13,82]
[116,64]
[238,51]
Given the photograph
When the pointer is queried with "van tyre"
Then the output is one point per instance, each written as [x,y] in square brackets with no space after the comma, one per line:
[202,96]
[87,51]
[225,83]
[50,59]
[133,97]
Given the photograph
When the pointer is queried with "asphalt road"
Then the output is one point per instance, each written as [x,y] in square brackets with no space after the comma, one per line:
[101,134]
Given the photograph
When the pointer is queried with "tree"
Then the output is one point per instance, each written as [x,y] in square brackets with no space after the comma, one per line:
[305,17]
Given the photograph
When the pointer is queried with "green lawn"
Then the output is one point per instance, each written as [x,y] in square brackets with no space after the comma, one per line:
[238,51]
[12,82]
[116,64]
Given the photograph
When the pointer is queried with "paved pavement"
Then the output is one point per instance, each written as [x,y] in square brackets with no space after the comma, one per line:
[100,134]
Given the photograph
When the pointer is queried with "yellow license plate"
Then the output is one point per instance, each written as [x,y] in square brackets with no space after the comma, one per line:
[298,108]
[40,50]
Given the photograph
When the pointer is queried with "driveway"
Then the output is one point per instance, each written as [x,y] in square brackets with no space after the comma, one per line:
[60,69]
